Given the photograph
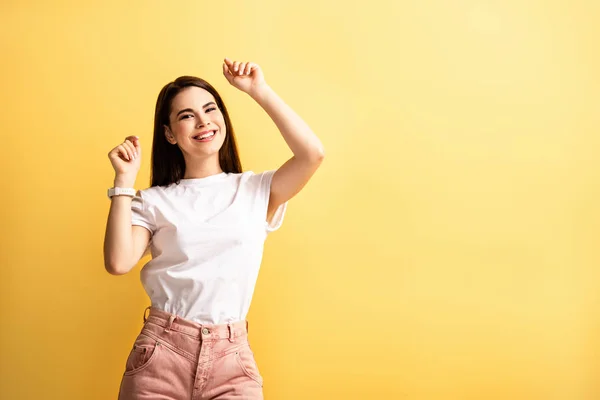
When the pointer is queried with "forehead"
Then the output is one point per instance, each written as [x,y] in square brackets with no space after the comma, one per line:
[191,97]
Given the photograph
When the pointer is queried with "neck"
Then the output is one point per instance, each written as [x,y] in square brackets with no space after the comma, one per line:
[202,168]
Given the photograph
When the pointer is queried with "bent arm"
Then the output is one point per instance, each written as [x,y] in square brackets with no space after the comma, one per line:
[308,150]
[124,244]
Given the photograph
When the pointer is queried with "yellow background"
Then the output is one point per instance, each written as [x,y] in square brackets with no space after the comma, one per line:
[447,248]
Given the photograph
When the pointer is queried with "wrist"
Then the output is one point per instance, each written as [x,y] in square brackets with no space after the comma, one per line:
[124,181]
[117,191]
[260,93]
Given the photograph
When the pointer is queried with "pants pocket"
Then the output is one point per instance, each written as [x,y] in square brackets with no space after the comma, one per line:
[245,359]
[145,350]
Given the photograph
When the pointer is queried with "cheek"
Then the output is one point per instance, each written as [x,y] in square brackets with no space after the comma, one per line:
[183,126]
[221,123]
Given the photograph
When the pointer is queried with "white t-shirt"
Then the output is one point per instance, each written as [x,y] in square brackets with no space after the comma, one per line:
[207,243]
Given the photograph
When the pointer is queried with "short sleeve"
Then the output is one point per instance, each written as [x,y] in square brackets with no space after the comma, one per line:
[140,214]
[264,193]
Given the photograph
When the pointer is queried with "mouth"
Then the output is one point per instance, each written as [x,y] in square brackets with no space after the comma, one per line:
[206,136]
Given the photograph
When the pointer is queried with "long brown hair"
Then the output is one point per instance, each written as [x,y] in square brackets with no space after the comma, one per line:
[168,164]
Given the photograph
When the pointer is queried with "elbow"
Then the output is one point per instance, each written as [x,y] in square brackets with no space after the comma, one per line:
[115,269]
[314,158]
[318,155]
[115,263]
[321,154]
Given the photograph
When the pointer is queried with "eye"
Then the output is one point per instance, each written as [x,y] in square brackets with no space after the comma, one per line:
[210,109]
[185,116]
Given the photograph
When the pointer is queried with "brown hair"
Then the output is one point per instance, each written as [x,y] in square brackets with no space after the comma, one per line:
[168,164]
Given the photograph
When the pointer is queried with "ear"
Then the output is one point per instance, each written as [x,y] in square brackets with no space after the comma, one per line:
[169,135]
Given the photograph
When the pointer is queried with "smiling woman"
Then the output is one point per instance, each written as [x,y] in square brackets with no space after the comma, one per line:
[190,119]
[205,263]
[188,108]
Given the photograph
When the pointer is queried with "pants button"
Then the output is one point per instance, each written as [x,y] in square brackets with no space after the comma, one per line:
[205,331]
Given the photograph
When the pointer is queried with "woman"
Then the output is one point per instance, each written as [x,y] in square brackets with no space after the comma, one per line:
[204,222]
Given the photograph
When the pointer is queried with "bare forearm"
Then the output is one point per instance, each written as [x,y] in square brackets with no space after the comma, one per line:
[118,240]
[297,134]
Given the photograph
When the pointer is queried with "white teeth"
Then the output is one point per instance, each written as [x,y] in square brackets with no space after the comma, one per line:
[205,135]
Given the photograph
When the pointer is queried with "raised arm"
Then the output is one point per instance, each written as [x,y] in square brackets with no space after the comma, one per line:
[308,152]
[124,244]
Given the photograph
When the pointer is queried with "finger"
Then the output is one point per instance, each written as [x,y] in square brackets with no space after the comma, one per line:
[130,149]
[236,64]
[136,144]
[228,62]
[135,140]
[226,72]
[248,68]
[253,67]
[242,68]
[134,149]
[123,152]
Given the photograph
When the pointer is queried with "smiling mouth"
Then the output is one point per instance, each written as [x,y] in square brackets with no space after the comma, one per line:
[205,137]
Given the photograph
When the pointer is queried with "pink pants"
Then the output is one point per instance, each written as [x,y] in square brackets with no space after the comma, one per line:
[173,358]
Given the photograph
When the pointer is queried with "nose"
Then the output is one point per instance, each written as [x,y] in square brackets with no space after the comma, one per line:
[201,122]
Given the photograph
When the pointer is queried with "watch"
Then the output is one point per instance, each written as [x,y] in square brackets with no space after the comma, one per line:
[116,191]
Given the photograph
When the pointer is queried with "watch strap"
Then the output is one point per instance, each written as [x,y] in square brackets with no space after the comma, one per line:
[118,191]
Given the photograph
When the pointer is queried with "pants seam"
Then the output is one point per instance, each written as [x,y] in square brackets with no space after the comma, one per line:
[168,345]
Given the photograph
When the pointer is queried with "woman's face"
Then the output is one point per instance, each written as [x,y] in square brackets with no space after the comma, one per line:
[194,118]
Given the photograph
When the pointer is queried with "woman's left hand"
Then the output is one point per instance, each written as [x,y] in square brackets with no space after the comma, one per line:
[247,77]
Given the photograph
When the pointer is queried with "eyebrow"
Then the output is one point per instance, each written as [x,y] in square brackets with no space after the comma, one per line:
[190,110]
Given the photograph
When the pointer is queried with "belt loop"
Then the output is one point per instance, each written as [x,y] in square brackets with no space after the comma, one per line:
[247,326]
[171,319]
[230,332]
[146,309]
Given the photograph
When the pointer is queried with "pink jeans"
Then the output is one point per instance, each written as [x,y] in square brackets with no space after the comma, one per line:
[173,358]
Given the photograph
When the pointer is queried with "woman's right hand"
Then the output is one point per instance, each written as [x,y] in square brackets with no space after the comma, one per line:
[126,157]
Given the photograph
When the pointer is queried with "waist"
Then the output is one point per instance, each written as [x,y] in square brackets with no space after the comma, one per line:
[201,331]
[216,299]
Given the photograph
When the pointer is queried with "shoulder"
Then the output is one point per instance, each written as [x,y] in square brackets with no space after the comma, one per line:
[148,192]
[149,195]
[257,176]
[257,180]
